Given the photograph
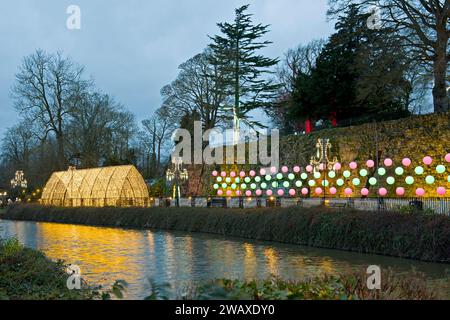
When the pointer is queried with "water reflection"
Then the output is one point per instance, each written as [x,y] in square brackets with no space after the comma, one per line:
[108,254]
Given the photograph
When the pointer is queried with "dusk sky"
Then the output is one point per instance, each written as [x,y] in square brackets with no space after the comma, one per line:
[133,48]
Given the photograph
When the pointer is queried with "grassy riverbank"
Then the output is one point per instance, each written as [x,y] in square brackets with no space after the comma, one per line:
[413,236]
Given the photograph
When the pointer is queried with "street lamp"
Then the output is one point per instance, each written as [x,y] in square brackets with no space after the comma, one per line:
[177,174]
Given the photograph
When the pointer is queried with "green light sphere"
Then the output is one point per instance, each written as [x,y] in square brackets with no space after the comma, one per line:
[347,174]
[373,181]
[332,174]
[228,180]
[263,185]
[243,186]
[258,179]
[274,184]
[253,186]
[291,176]
[219,179]
[409,180]
[399,171]
[237,180]
[448,179]
[279,176]
[363,173]
[304,176]
[419,170]
[247,180]
[268,178]
[356,182]
[311,183]
[325,183]
[216,186]
[316,175]
[234,186]
[340,182]
[429,179]
[224,186]
[390,180]
[440,169]
[381,171]
[286,184]
[298,184]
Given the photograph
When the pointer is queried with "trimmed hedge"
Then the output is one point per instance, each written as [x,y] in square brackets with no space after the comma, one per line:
[412,236]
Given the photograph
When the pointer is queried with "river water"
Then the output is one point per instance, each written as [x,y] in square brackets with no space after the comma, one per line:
[108,254]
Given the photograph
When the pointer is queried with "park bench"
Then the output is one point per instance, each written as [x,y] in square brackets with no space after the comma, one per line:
[338,205]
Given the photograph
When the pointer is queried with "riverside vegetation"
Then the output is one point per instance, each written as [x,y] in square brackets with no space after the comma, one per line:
[407,235]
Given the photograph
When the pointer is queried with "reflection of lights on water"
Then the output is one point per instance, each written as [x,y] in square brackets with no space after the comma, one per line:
[272,261]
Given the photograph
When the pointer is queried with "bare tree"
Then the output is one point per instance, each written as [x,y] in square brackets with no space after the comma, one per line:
[423,27]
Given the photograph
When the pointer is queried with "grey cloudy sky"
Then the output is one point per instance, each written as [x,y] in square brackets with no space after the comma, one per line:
[133,48]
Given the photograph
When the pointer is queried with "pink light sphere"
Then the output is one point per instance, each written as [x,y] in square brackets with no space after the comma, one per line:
[447,157]
[406,162]
[420,192]
[309,168]
[296,169]
[305,191]
[229,193]
[269,192]
[348,192]
[273,170]
[318,191]
[337,166]
[262,172]
[365,192]
[215,173]
[400,191]
[232,174]
[281,192]
[219,193]
[223,174]
[292,192]
[382,192]
[388,162]
[427,160]
[321,167]
[284,169]
[370,163]
[238,193]
[242,174]
[333,190]
[353,165]
[248,193]
[252,173]
[441,191]
[258,193]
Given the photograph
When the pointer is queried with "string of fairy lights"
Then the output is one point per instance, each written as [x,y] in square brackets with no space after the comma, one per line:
[354,179]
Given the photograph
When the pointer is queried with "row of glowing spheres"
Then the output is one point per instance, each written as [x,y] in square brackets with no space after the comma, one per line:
[242,184]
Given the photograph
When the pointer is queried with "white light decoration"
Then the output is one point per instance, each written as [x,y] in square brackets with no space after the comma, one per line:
[19,180]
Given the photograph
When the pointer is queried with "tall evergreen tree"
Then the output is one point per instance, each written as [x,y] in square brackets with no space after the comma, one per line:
[245,71]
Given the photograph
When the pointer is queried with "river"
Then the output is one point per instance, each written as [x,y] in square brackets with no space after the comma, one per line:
[108,254]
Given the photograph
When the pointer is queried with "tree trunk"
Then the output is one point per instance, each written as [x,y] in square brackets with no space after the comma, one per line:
[61,157]
[440,95]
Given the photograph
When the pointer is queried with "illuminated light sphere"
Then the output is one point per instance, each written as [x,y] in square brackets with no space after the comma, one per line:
[409,180]
[286,184]
[298,184]
[356,182]
[381,171]
[348,192]
[248,193]
[309,168]
[388,162]
[406,162]
[247,179]
[242,174]
[296,169]
[243,186]
[228,180]
[321,167]
[400,191]
[419,170]
[224,186]
[382,192]
[274,184]
[399,171]
[353,165]
[311,183]
[441,191]
[440,169]
[219,193]
[284,169]
[238,193]
[370,163]
[291,176]
[269,192]
[363,173]
[333,191]
[448,179]
[258,193]
[262,172]
[427,160]
[264,185]
[420,192]
[292,192]
[316,175]
[347,174]
[253,186]
[373,181]
[237,180]
[280,192]
[219,179]
[325,183]
[340,182]
[337,166]
[332,174]
[258,179]
[234,186]
[216,186]
[215,173]
[232,174]
[279,176]
[252,173]
[430,180]
[273,170]
[364,192]
[447,158]
[305,191]
[229,193]
[268,178]
[223,174]
[390,180]
[304,176]
[318,191]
